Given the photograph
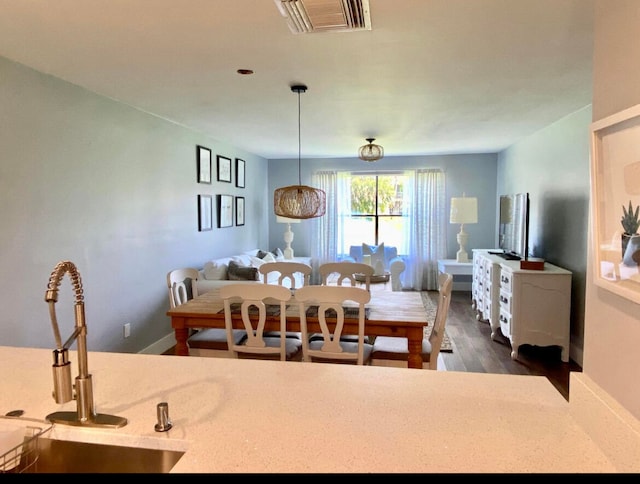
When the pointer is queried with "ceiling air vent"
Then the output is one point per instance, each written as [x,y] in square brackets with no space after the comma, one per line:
[306,16]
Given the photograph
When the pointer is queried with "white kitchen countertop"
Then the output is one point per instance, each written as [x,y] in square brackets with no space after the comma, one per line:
[270,416]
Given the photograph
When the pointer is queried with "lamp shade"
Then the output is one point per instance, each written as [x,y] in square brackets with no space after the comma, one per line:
[299,202]
[370,152]
[464,210]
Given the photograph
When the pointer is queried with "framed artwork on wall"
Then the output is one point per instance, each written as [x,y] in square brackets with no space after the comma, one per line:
[615,195]
[225,211]
[239,210]
[224,169]
[239,173]
[205,212]
[204,164]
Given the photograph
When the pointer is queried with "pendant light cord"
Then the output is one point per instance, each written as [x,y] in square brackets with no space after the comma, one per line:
[299,142]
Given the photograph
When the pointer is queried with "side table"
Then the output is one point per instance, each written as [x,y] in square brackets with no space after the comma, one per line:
[462,273]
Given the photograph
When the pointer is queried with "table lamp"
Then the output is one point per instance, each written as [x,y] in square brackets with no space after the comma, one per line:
[464,210]
[288,235]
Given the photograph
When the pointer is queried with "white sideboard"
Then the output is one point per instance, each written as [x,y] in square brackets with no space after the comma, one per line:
[528,306]
[485,289]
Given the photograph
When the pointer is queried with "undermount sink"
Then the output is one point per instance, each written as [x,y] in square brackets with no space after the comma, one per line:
[64,456]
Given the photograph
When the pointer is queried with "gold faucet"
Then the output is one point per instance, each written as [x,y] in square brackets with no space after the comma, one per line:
[62,388]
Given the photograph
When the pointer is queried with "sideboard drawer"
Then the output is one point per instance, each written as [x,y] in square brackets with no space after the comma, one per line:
[488,310]
[506,280]
[505,302]
[505,324]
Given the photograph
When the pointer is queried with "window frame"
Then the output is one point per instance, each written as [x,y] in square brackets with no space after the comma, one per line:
[377,216]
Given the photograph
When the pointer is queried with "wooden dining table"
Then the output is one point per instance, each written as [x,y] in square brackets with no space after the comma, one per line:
[391,313]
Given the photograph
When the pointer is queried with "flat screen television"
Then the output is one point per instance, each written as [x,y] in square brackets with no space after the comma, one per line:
[513,227]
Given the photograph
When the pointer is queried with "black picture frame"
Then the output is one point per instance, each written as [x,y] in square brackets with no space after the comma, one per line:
[203,156]
[225,210]
[239,211]
[240,173]
[224,169]
[205,213]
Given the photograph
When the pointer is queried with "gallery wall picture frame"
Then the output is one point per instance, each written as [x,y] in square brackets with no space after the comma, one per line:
[239,173]
[239,211]
[224,169]
[205,213]
[225,211]
[203,156]
[615,184]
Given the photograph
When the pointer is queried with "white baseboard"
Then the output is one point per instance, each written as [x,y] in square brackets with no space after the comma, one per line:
[160,346]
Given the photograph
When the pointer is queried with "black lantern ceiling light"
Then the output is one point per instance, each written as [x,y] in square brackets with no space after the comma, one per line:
[370,152]
[299,201]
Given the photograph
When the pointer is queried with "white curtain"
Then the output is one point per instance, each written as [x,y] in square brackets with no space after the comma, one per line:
[424,240]
[426,232]
[324,230]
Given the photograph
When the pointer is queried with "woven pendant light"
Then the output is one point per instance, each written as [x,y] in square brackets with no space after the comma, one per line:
[299,201]
[370,152]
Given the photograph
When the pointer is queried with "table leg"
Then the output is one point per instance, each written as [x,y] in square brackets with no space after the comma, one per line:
[414,338]
[182,349]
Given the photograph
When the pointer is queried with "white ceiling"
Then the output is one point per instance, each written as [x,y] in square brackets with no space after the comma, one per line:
[431,77]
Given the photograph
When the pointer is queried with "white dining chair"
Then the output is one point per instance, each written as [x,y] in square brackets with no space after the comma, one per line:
[291,275]
[252,304]
[287,272]
[394,351]
[346,273]
[182,285]
[329,305]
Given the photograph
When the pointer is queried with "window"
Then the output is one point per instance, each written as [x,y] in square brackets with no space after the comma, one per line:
[421,230]
[377,212]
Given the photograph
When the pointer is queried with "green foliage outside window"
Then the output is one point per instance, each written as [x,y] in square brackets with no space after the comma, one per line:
[363,195]
[371,226]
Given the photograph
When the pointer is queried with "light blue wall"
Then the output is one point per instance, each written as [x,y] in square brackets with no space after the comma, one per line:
[473,174]
[553,166]
[114,190]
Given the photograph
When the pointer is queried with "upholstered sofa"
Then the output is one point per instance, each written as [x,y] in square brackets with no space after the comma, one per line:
[383,259]
[239,268]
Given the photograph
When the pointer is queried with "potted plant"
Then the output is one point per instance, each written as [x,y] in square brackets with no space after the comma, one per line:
[630,222]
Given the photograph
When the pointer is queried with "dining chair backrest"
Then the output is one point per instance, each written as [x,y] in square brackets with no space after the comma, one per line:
[202,341]
[287,271]
[252,303]
[328,303]
[347,273]
[445,286]
[177,281]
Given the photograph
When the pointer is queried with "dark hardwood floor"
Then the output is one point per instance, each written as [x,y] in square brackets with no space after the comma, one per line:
[475,351]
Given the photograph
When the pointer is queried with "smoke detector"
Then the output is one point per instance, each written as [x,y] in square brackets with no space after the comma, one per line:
[308,16]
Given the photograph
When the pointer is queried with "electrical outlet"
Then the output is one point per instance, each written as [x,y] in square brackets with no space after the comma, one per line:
[126,329]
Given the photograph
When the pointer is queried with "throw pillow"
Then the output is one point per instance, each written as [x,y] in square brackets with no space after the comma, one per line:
[261,254]
[239,272]
[257,262]
[242,259]
[214,271]
[377,257]
[269,257]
